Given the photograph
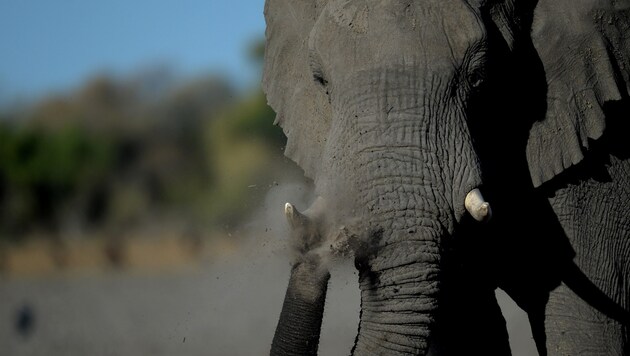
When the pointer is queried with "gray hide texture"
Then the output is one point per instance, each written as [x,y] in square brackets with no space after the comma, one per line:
[584,46]
[416,102]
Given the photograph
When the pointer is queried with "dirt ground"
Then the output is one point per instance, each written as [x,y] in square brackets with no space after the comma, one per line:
[226,306]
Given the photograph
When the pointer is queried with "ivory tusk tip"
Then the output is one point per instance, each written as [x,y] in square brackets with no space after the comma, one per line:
[292,214]
[288,209]
[478,208]
[487,213]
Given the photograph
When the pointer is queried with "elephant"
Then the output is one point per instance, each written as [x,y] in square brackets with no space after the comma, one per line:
[460,146]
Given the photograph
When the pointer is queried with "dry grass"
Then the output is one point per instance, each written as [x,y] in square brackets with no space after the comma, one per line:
[40,257]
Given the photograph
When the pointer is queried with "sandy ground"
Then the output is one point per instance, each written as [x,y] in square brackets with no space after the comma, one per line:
[229,307]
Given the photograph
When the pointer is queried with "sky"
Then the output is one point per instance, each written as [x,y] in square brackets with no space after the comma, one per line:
[51,46]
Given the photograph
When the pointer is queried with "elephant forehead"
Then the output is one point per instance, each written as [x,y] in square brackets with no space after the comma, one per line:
[386,90]
[363,33]
[442,29]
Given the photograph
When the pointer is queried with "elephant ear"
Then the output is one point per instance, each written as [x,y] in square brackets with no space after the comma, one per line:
[584,46]
[302,107]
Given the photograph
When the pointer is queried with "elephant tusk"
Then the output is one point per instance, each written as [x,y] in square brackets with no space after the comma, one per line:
[478,208]
[314,213]
[294,217]
[288,210]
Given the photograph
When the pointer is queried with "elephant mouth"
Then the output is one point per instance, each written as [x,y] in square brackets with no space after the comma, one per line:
[342,235]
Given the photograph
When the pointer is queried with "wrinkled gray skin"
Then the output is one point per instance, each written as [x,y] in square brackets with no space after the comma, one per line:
[397,109]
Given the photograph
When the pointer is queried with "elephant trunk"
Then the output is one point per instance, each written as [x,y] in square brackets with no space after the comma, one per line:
[399,293]
[300,321]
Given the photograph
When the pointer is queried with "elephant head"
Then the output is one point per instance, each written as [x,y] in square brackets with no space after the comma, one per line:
[386,106]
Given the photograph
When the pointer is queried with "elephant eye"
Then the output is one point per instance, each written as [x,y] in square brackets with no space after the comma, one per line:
[477,78]
[320,79]
[323,83]
[316,69]
[476,64]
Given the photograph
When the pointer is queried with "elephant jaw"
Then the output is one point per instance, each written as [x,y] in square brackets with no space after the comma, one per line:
[477,207]
[312,229]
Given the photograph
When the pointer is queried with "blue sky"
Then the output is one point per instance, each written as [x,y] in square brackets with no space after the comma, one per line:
[48,46]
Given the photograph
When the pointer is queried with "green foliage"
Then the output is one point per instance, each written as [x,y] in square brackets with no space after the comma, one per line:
[115,155]
[41,169]
[62,159]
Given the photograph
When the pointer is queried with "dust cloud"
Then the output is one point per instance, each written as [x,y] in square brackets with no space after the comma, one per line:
[270,234]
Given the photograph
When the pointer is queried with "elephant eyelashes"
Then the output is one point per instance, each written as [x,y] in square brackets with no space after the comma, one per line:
[468,84]
[475,65]
[322,83]
[316,69]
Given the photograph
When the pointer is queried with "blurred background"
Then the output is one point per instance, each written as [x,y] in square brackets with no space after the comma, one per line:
[142,183]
